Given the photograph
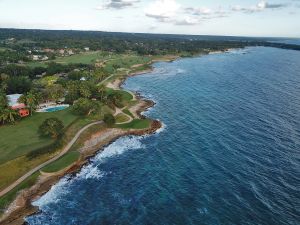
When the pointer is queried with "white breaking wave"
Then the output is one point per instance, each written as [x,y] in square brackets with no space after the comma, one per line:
[90,171]
[163,128]
[55,193]
[120,146]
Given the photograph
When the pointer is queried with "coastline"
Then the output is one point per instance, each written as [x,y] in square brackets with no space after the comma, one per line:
[22,207]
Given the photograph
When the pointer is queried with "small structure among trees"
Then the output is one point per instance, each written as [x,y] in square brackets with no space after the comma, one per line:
[15,105]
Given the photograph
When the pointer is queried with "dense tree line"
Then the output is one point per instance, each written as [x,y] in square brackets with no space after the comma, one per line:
[18,78]
[122,42]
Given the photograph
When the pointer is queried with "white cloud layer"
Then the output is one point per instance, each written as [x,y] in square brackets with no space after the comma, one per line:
[260,6]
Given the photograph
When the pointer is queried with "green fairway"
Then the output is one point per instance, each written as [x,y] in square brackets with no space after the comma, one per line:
[62,163]
[136,124]
[18,139]
[126,111]
[122,118]
[34,64]
[85,58]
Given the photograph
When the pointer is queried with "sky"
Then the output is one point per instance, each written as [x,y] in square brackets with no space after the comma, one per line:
[267,18]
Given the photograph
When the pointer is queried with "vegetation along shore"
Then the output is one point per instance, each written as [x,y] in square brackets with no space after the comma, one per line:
[61,101]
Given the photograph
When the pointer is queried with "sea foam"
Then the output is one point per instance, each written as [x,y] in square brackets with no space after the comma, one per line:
[90,171]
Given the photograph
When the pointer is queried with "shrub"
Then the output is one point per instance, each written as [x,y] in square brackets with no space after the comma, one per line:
[52,127]
[109,119]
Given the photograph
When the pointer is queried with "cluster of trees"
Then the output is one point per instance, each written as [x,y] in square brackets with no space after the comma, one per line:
[91,100]
[12,56]
[7,114]
[31,99]
[18,79]
[51,127]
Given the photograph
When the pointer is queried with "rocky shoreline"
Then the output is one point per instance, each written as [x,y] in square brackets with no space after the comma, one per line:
[22,207]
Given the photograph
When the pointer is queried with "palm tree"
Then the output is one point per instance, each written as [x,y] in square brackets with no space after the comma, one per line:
[2,116]
[8,115]
[3,100]
[101,89]
[31,100]
[84,91]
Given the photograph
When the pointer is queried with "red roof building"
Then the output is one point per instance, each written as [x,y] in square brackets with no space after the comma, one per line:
[15,105]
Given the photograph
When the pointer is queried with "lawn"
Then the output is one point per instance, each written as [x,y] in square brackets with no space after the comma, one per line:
[135,124]
[34,64]
[126,111]
[23,137]
[121,118]
[13,169]
[85,58]
[62,163]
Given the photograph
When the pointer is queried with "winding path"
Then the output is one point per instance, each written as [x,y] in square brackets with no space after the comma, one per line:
[64,151]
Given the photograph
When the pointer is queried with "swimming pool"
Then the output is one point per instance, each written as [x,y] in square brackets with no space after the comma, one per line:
[54,108]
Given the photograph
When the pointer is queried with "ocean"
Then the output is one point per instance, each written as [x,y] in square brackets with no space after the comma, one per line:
[228,153]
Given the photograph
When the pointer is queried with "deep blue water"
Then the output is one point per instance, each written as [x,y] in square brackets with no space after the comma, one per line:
[229,153]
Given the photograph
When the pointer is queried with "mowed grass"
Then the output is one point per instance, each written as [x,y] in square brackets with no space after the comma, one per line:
[122,118]
[85,58]
[124,62]
[13,169]
[62,163]
[127,112]
[34,64]
[136,124]
[23,137]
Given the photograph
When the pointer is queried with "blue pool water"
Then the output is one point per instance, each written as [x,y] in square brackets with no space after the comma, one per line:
[56,108]
[229,152]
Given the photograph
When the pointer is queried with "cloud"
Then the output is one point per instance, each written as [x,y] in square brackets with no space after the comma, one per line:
[163,10]
[260,6]
[187,21]
[204,13]
[169,11]
[199,11]
[117,4]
